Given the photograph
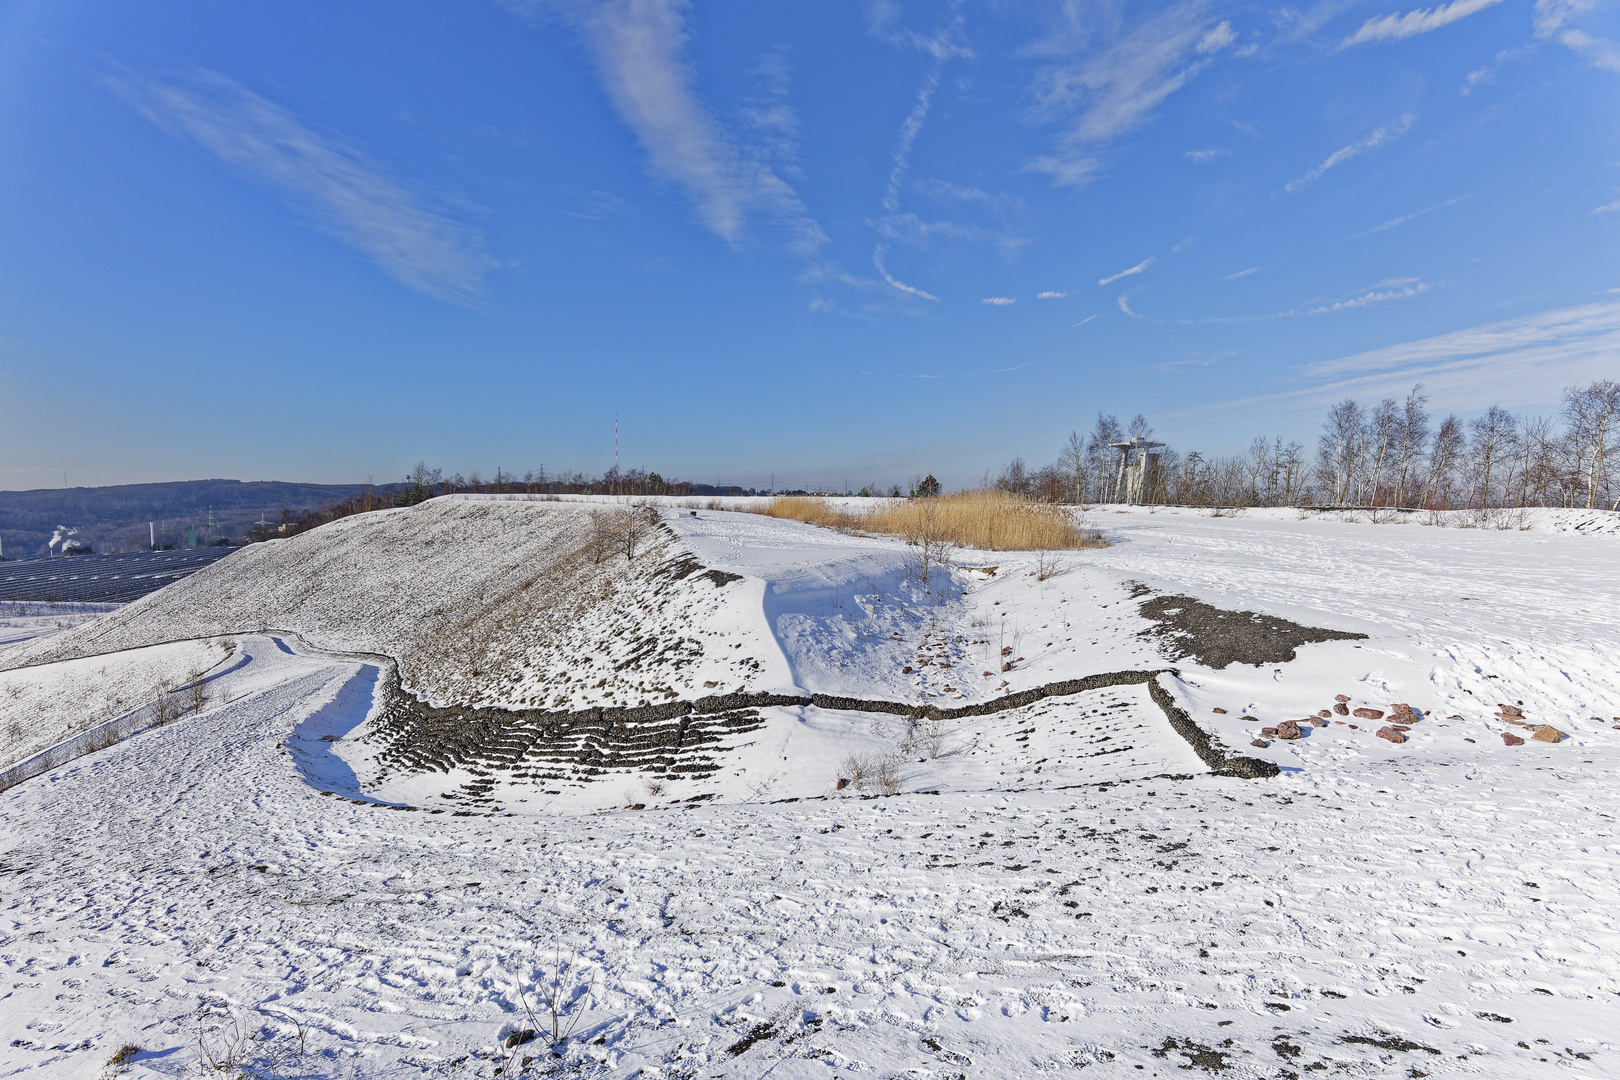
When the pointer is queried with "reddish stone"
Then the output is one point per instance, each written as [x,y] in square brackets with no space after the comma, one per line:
[1511,710]
[1512,739]
[1370,714]
[1245,716]
[1354,727]
[1268,731]
[1222,711]
[1548,733]
[1288,729]
[1323,712]
[1340,697]
[1342,709]
[1391,734]
[1317,721]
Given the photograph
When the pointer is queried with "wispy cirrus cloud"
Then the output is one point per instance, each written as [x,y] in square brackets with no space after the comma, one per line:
[1241,273]
[1422,21]
[332,184]
[1607,208]
[1383,292]
[878,255]
[943,42]
[1527,361]
[1101,89]
[639,50]
[1400,289]
[909,130]
[1204,157]
[1051,294]
[1404,218]
[998,301]
[1137,269]
[1552,21]
[1387,133]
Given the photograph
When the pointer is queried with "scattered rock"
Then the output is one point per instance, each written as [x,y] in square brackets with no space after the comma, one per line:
[1370,714]
[1353,727]
[1318,722]
[1221,711]
[1548,733]
[906,670]
[1512,710]
[1511,739]
[1261,743]
[1342,709]
[1341,698]
[1288,729]
[842,783]
[1268,731]
[1391,734]
[1256,719]
[1323,712]
[1453,718]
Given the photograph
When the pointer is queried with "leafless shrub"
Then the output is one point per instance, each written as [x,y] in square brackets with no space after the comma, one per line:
[620,530]
[654,787]
[166,705]
[1048,566]
[877,773]
[196,692]
[241,1047]
[101,739]
[886,780]
[555,1011]
[121,1058]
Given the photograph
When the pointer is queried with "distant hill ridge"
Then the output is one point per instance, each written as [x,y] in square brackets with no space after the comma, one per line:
[115,518]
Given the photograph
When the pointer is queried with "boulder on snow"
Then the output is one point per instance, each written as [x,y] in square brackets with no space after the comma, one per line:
[1548,733]
[1317,721]
[1391,734]
[1370,714]
[1323,712]
[1342,709]
[1268,731]
[1288,729]
[1222,711]
[1261,743]
[1511,739]
[1341,698]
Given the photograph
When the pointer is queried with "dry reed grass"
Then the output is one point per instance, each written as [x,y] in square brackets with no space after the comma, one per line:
[986,519]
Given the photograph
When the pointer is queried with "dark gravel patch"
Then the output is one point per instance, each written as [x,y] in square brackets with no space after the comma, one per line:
[1187,627]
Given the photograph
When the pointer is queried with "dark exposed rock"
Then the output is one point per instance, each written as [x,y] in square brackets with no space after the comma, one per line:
[1215,638]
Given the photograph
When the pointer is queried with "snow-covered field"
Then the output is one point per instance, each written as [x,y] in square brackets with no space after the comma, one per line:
[1031,902]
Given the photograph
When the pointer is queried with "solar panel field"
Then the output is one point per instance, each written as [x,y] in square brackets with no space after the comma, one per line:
[115,579]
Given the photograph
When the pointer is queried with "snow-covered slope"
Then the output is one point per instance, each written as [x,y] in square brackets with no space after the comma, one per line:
[1030,903]
[480,603]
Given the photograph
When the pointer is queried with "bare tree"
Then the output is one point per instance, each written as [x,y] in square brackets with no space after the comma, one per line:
[1592,414]
[1339,450]
[1076,465]
[1413,433]
[1444,454]
[1493,436]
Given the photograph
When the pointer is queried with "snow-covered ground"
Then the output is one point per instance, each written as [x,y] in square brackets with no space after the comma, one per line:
[1446,906]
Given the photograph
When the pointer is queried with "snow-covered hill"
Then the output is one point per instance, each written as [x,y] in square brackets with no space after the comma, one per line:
[1059,886]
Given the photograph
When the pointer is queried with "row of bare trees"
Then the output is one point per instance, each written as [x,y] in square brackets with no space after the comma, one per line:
[1390,454]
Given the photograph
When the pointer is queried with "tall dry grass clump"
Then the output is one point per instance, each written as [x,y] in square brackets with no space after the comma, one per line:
[987,519]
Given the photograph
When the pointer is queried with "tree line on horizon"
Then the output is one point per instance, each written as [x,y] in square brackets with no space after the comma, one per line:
[1390,455]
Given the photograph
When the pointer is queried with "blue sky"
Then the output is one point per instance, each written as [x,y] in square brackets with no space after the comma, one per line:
[820,240]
